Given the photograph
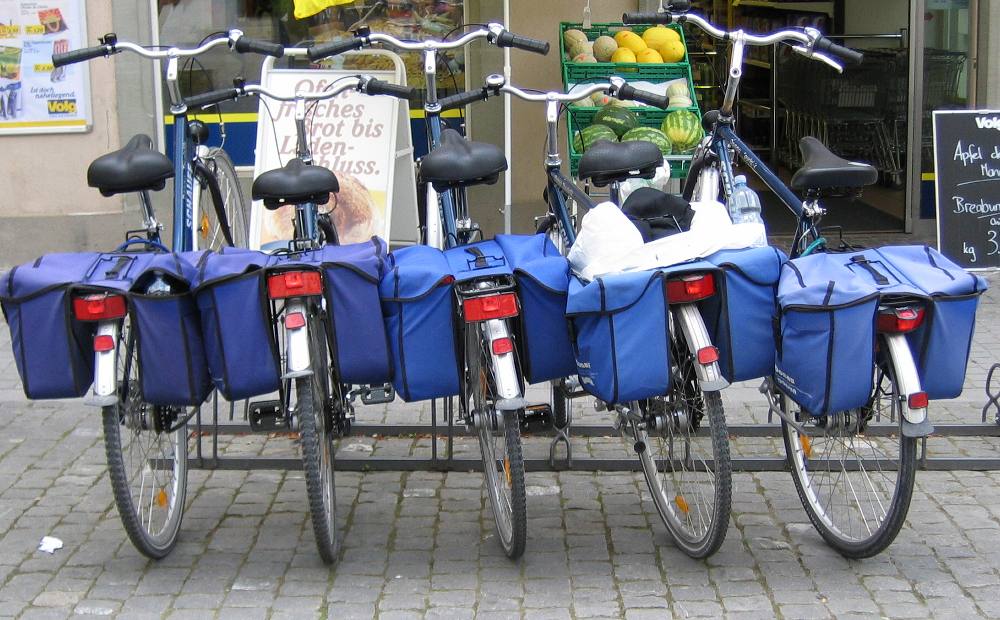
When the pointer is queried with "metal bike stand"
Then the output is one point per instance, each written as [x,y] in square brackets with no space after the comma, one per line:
[562,436]
[992,397]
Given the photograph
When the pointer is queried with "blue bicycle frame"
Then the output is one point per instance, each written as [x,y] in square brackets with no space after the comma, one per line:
[183,218]
[447,199]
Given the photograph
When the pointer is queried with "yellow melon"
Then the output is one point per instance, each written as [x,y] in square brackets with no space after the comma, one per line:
[633,42]
[672,51]
[657,36]
[623,54]
[649,55]
[621,34]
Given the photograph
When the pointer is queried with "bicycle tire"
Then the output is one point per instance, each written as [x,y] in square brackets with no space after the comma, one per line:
[809,485]
[209,233]
[685,403]
[132,414]
[316,434]
[507,501]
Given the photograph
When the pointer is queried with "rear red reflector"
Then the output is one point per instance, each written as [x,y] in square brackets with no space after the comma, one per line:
[490,307]
[900,320]
[917,400]
[99,307]
[294,284]
[295,320]
[502,345]
[690,288]
[707,355]
[103,343]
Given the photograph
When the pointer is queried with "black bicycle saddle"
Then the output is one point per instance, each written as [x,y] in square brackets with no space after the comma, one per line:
[132,168]
[609,162]
[458,162]
[824,170]
[297,183]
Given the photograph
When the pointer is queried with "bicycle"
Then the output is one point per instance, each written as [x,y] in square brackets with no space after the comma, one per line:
[491,390]
[156,437]
[831,458]
[322,402]
[696,519]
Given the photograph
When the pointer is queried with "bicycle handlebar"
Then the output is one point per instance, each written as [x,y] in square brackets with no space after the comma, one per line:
[496,84]
[362,83]
[463,99]
[496,34]
[850,55]
[111,45]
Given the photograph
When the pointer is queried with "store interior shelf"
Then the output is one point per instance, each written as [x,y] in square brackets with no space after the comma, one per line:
[763,64]
[811,7]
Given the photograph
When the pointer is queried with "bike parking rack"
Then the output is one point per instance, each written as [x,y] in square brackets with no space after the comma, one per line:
[448,462]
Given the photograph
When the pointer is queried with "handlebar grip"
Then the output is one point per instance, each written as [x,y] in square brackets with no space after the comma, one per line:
[244,45]
[509,39]
[212,97]
[74,56]
[381,87]
[325,50]
[464,99]
[647,18]
[631,93]
[850,55]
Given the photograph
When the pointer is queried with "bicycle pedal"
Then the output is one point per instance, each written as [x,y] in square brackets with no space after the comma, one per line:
[266,416]
[378,395]
[536,418]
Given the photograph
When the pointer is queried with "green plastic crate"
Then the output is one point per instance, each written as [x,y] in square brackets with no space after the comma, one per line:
[650,117]
[577,72]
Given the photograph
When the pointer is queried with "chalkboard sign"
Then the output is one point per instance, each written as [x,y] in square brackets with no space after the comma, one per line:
[967,169]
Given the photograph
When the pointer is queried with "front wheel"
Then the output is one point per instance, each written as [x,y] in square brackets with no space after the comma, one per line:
[146,449]
[208,233]
[313,394]
[683,447]
[855,488]
[500,445]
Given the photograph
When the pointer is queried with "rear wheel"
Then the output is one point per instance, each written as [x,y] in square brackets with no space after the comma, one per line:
[208,233]
[314,400]
[146,449]
[684,453]
[855,488]
[499,443]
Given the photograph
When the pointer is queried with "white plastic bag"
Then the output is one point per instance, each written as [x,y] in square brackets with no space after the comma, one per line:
[659,181]
[606,234]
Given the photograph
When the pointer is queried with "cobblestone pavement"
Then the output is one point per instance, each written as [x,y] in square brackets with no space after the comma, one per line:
[421,544]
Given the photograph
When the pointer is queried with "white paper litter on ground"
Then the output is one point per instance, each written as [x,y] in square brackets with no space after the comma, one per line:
[604,253]
[50,544]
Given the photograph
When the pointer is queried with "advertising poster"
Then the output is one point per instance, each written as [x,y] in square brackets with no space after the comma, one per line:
[36,97]
[353,135]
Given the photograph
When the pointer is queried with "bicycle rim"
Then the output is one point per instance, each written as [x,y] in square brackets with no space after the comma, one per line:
[208,235]
[686,459]
[503,463]
[313,395]
[147,467]
[856,489]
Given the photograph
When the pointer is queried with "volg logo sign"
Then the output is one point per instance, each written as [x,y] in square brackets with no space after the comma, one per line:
[62,106]
[988,123]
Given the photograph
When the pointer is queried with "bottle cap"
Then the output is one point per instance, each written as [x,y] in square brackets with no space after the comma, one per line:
[740,179]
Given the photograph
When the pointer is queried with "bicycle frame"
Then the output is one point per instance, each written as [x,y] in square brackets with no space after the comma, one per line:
[447,201]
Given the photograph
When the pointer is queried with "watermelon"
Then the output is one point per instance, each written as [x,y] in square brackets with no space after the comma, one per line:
[649,134]
[618,118]
[583,140]
[683,127]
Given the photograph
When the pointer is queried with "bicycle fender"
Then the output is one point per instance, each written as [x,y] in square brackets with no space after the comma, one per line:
[105,390]
[915,420]
[693,328]
[298,362]
[508,380]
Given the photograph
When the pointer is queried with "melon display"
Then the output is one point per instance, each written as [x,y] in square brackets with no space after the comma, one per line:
[604,48]
[680,102]
[632,41]
[678,89]
[658,35]
[619,119]
[584,57]
[683,127]
[574,36]
[623,54]
[650,134]
[584,139]
[672,51]
[621,34]
[649,55]
[586,102]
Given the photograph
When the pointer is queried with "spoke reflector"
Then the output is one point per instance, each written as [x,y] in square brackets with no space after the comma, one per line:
[205,225]
[161,499]
[506,469]
[682,504]
[806,446]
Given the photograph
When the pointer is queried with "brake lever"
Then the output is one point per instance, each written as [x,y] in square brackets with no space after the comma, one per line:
[814,55]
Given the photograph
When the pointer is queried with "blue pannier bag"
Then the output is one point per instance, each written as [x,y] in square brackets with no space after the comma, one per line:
[826,334]
[622,335]
[53,352]
[542,276]
[236,323]
[418,308]
[357,334]
[740,317]
[941,344]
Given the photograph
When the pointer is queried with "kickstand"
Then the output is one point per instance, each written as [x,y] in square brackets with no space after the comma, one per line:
[562,436]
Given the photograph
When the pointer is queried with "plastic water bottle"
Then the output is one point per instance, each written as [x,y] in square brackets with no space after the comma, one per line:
[158,287]
[744,208]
